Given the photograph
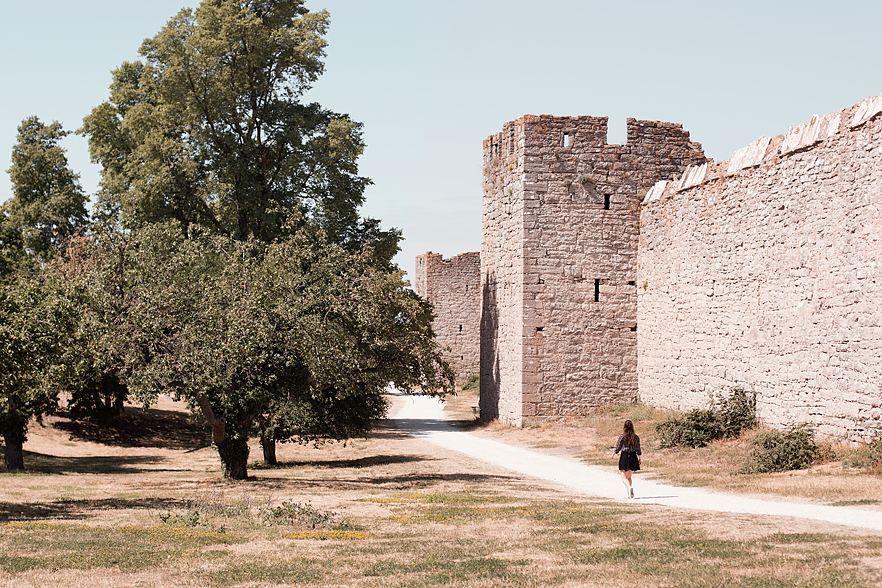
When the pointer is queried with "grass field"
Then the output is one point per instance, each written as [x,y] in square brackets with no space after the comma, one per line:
[120,509]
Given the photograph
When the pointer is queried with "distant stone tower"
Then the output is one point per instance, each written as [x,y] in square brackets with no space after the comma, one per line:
[453,286]
[558,260]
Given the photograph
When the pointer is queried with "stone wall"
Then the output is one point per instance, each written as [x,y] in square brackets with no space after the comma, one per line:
[766,272]
[452,286]
[560,232]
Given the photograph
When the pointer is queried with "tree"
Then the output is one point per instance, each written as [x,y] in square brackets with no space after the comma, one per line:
[209,129]
[48,206]
[47,209]
[35,321]
[299,330]
[208,136]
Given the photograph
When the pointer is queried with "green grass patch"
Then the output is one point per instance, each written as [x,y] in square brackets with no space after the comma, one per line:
[76,546]
[298,570]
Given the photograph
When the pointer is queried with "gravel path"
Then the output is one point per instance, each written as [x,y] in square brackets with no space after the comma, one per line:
[423,417]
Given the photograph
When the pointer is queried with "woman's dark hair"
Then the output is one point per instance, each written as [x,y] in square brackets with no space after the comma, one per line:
[629,438]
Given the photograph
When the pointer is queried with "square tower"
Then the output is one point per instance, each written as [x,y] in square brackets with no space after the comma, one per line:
[558,261]
[453,285]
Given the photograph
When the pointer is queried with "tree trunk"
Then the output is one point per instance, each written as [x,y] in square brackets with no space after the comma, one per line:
[269,449]
[14,455]
[233,452]
[14,432]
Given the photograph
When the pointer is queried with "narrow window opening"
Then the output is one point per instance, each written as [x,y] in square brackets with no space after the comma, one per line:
[460,328]
[606,202]
[467,287]
[566,139]
[596,290]
[633,329]
[538,329]
[632,283]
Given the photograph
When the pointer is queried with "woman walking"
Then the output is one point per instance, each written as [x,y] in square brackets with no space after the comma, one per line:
[629,461]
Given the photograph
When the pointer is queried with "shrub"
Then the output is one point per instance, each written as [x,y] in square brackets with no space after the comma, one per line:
[473,382]
[736,412]
[295,513]
[727,417]
[780,451]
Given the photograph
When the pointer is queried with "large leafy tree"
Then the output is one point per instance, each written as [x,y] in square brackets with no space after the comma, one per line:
[298,329]
[208,132]
[209,129]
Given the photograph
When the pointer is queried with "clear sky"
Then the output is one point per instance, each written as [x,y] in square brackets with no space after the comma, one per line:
[431,80]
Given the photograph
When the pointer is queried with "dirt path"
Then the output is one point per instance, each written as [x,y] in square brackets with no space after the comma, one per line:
[424,418]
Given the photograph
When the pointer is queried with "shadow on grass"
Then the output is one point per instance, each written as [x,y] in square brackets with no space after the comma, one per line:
[51,464]
[362,462]
[77,509]
[138,427]
[391,482]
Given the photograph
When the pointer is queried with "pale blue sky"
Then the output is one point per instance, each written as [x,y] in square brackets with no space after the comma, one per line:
[430,81]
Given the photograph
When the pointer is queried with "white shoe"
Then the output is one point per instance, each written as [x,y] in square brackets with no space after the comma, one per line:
[632,492]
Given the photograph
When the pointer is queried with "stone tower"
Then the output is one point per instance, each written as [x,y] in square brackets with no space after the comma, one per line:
[558,260]
[452,286]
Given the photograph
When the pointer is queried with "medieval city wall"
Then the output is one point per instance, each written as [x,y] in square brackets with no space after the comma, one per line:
[766,272]
[502,275]
[453,285]
[560,231]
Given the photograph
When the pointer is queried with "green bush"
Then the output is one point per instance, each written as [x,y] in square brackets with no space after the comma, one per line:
[670,432]
[473,382]
[736,412]
[780,451]
[727,417]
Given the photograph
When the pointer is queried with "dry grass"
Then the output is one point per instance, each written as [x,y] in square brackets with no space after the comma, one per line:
[384,511]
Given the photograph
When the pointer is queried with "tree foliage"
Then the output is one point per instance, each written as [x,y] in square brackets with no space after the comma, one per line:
[209,129]
[48,206]
[298,331]
[36,320]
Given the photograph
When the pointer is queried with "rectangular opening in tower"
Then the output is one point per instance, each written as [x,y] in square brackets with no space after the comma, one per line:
[596,290]
[566,142]
[606,202]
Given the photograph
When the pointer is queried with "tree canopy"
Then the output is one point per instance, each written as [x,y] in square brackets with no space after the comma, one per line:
[209,129]
[48,205]
[241,329]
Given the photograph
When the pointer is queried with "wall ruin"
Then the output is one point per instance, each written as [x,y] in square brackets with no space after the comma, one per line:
[766,272]
[558,262]
[452,286]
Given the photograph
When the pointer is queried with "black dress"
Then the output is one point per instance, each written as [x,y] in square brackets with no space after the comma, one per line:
[628,459]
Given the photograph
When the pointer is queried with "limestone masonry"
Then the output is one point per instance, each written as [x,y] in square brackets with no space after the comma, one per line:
[766,272]
[647,271]
[452,285]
